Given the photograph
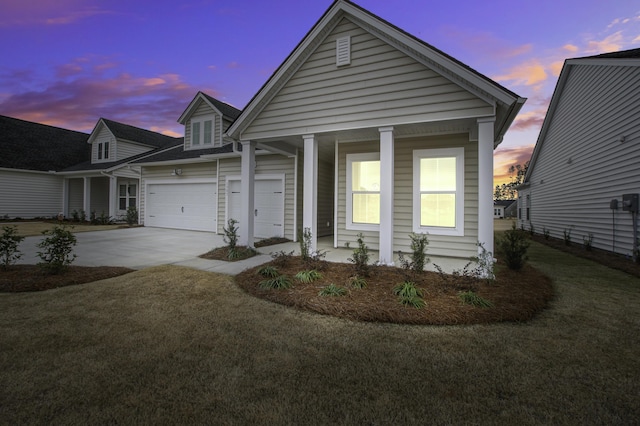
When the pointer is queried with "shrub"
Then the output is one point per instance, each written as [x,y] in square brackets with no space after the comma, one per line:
[57,249]
[281,258]
[360,257]
[308,276]
[132,215]
[532,229]
[409,294]
[472,298]
[269,272]
[333,290]
[418,255]
[312,259]
[279,282]
[231,234]
[357,282]
[546,233]
[9,241]
[513,245]
[567,237]
[485,263]
[305,243]
[587,241]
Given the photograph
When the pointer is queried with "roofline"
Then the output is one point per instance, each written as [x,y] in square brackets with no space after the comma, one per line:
[189,110]
[494,89]
[45,172]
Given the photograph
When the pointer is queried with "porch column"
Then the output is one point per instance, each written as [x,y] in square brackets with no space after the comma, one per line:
[247,191]
[386,195]
[113,196]
[65,197]
[485,183]
[310,189]
[86,203]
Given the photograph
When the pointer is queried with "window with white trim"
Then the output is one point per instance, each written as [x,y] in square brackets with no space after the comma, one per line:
[127,196]
[202,132]
[438,191]
[363,191]
[103,150]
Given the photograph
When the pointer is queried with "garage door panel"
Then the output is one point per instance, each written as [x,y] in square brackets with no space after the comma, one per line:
[268,204]
[182,206]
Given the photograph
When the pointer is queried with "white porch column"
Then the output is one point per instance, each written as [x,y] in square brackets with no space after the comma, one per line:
[65,197]
[113,196]
[247,191]
[310,189]
[86,203]
[485,183]
[386,195]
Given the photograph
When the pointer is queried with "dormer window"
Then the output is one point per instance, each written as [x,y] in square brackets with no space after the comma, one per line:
[202,132]
[103,150]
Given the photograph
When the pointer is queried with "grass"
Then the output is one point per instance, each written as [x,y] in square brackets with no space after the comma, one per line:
[175,345]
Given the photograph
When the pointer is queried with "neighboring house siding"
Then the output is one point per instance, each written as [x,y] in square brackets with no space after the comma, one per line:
[30,194]
[582,165]
[382,86]
[163,173]
[76,195]
[454,246]
[125,149]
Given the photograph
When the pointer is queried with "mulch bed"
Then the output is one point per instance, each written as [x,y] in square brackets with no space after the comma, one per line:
[606,258]
[19,278]
[222,253]
[515,295]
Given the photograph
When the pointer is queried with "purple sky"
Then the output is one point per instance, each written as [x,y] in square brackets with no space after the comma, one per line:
[69,62]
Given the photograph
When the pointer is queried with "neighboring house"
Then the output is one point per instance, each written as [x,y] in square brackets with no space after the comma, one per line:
[30,153]
[407,131]
[503,208]
[584,169]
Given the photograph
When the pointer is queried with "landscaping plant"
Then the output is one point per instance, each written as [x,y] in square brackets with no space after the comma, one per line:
[57,249]
[360,257]
[132,215]
[472,298]
[514,245]
[587,242]
[269,271]
[9,241]
[409,294]
[333,290]
[418,258]
[308,276]
[280,282]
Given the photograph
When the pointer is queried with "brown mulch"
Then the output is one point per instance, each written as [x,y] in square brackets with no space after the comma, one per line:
[222,253]
[515,295]
[19,278]
[606,258]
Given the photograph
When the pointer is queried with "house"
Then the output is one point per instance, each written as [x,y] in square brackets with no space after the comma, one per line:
[503,208]
[30,153]
[105,184]
[395,135]
[583,177]
[46,170]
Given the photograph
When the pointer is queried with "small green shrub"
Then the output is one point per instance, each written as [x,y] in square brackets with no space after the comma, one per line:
[409,294]
[269,271]
[308,276]
[57,249]
[279,282]
[418,257]
[485,263]
[546,233]
[333,290]
[305,243]
[532,229]
[360,257]
[312,259]
[9,241]
[358,282]
[514,245]
[587,242]
[472,298]
[132,216]
[240,252]
[231,234]
[281,258]
[567,236]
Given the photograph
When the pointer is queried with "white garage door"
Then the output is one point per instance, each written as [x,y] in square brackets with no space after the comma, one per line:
[182,206]
[269,206]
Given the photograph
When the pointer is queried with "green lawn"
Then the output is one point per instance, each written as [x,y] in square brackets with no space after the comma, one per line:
[173,345]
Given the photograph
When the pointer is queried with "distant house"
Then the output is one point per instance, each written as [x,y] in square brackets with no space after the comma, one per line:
[504,208]
[584,175]
[30,156]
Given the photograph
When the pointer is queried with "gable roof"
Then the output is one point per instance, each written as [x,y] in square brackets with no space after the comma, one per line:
[507,101]
[227,111]
[31,146]
[177,155]
[622,58]
[133,134]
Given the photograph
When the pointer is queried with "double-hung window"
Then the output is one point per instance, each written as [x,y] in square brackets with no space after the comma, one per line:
[127,196]
[201,132]
[103,150]
[438,191]
[363,191]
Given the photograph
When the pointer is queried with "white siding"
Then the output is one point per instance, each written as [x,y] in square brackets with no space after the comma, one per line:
[453,246]
[104,135]
[382,86]
[76,195]
[126,149]
[204,110]
[30,194]
[582,165]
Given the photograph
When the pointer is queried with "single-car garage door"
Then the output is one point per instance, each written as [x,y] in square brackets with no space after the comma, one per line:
[269,206]
[182,206]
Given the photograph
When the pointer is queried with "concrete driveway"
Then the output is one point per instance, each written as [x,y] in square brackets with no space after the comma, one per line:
[143,247]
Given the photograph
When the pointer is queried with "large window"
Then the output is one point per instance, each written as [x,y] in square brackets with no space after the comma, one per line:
[438,191]
[127,196]
[363,191]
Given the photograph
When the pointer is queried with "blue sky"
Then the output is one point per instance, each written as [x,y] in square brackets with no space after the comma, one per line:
[69,62]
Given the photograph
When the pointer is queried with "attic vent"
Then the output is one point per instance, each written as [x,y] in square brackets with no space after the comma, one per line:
[343,51]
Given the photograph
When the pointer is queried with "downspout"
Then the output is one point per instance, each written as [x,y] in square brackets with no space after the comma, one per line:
[295,198]
[217,191]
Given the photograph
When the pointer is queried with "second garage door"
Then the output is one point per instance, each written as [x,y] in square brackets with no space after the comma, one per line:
[269,206]
[182,206]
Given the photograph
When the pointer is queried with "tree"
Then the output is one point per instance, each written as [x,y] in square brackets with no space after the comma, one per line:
[508,191]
